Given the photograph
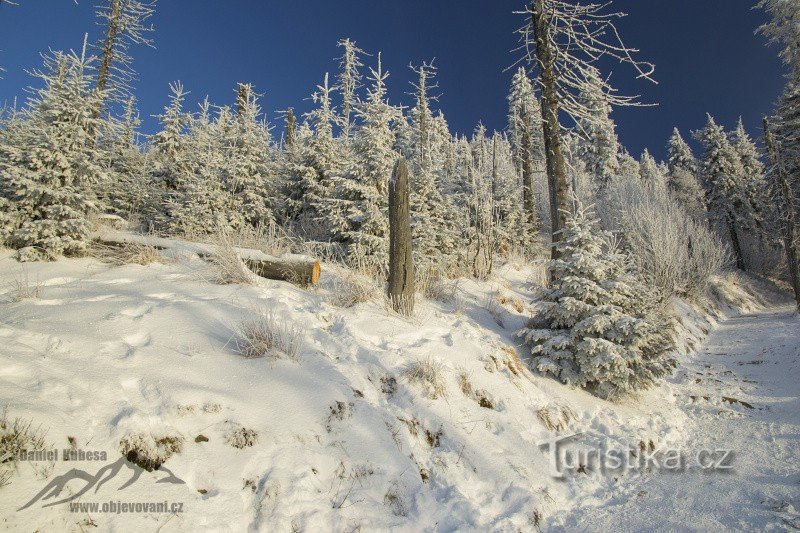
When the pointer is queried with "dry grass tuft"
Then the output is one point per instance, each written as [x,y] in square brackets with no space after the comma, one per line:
[434,285]
[263,336]
[555,417]
[480,396]
[350,288]
[227,268]
[240,437]
[428,373]
[127,254]
[16,436]
[150,452]
[21,288]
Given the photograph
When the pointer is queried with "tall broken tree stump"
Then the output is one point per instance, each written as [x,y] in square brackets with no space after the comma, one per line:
[401,262]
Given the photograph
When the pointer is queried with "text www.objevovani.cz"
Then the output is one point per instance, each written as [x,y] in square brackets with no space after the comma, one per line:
[120,507]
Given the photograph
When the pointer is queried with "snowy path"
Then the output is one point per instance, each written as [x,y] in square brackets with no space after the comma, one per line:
[755,359]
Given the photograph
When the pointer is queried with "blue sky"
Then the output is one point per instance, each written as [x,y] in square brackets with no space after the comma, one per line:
[706,54]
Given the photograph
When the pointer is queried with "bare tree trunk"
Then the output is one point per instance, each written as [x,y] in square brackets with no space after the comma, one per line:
[790,215]
[556,164]
[737,247]
[401,263]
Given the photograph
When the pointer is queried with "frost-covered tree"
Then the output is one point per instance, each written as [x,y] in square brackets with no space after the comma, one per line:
[126,25]
[598,328]
[432,226]
[682,181]
[599,146]
[755,186]
[649,171]
[360,196]
[349,81]
[313,162]
[250,168]
[49,163]
[525,119]
[565,40]
[722,176]
[126,192]
[783,139]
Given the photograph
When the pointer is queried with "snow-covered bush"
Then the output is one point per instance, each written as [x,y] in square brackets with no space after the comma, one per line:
[598,327]
[676,252]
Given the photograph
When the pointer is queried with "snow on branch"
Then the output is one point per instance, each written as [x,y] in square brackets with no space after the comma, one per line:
[581,35]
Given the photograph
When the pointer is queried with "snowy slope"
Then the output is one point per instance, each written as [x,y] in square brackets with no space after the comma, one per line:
[344,438]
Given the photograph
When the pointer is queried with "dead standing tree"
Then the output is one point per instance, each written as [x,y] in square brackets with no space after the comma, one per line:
[126,25]
[401,263]
[565,40]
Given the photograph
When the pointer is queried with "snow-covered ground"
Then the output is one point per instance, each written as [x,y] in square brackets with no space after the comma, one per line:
[344,437]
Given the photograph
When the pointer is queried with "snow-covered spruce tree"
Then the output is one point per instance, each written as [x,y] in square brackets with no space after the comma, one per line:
[726,195]
[755,186]
[523,104]
[49,164]
[360,217]
[127,190]
[313,162]
[649,171]
[783,142]
[349,81]
[508,213]
[201,204]
[682,181]
[432,227]
[599,147]
[598,328]
[251,162]
[527,140]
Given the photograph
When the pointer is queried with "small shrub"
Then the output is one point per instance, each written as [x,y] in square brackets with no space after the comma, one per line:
[263,336]
[339,411]
[427,372]
[150,452]
[480,396]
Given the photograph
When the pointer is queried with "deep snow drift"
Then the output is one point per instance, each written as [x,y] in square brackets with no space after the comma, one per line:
[350,434]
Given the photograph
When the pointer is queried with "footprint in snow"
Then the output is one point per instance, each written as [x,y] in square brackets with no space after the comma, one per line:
[136,312]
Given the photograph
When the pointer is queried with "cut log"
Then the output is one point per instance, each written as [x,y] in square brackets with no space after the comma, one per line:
[298,269]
